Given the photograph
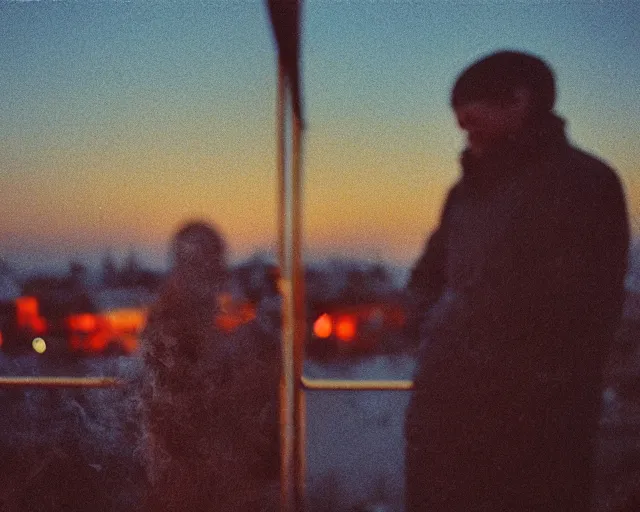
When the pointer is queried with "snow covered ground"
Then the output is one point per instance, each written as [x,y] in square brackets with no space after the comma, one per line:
[355,444]
[354,439]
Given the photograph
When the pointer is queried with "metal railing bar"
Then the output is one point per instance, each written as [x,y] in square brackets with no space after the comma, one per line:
[355,385]
[60,382]
[309,384]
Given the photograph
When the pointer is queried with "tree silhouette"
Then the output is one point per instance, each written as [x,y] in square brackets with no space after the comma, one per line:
[109,272]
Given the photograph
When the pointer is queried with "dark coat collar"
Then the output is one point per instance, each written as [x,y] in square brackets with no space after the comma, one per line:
[542,136]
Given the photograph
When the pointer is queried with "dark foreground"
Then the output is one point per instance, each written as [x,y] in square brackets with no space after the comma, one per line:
[71,449]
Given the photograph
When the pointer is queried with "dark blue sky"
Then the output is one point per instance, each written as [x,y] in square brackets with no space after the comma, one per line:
[123,118]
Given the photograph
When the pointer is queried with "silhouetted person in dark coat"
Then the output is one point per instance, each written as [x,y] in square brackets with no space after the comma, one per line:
[209,398]
[521,288]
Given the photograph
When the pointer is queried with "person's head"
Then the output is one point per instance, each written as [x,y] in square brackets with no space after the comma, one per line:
[198,257]
[497,96]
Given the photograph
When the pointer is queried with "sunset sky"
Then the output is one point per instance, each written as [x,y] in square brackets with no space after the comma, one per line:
[122,119]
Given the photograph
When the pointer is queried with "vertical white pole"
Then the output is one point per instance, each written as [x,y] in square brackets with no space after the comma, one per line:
[292,405]
[299,310]
[287,377]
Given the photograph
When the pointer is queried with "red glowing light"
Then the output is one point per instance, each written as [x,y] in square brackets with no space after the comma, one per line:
[84,322]
[346,328]
[26,311]
[39,325]
[28,315]
[323,326]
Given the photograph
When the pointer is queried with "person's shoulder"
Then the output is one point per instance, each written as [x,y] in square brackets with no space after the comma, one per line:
[589,172]
[453,197]
[576,179]
[588,193]
[454,191]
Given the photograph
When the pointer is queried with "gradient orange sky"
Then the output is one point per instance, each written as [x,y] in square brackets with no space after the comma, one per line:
[121,120]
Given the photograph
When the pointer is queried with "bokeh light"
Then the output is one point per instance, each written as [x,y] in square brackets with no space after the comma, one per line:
[323,327]
[346,328]
[39,345]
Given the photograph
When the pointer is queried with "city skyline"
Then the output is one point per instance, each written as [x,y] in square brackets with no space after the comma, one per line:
[123,120]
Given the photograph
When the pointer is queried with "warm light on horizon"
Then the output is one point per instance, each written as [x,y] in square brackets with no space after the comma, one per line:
[323,326]
[115,136]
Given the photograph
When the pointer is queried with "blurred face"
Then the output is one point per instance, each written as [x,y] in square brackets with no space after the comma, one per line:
[488,125]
